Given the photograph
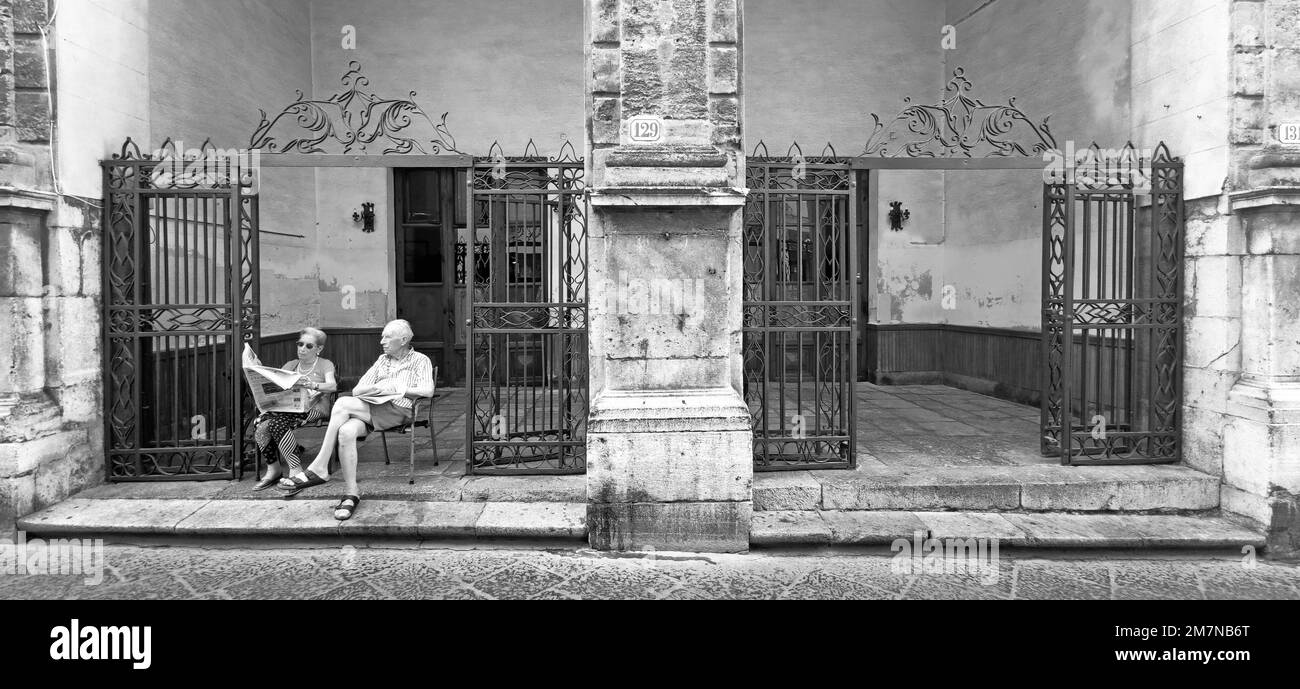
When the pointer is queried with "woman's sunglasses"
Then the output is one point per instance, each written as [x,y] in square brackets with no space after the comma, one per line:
[308,345]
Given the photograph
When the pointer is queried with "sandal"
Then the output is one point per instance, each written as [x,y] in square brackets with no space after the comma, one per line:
[347,508]
[300,485]
[266,483]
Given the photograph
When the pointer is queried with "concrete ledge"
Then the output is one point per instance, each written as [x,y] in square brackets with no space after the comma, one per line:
[307,518]
[1016,530]
[990,488]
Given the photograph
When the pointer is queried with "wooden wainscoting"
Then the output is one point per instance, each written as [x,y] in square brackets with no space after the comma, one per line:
[995,361]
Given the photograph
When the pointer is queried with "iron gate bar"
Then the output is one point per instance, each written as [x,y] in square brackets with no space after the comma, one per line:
[823,316]
[1125,308]
[518,422]
[162,304]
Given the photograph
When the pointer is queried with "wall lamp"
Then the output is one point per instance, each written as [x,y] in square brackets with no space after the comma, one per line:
[366,216]
[897,215]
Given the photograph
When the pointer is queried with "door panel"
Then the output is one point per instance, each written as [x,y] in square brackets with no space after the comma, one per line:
[425,230]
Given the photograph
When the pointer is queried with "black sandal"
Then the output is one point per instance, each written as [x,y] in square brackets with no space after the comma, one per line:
[343,506]
[300,485]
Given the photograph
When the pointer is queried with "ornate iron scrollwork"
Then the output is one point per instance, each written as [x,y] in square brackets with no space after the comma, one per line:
[959,126]
[351,121]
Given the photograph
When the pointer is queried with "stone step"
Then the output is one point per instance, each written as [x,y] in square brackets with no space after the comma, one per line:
[300,517]
[1032,488]
[379,482]
[1030,530]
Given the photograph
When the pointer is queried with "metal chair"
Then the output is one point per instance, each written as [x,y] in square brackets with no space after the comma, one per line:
[416,422]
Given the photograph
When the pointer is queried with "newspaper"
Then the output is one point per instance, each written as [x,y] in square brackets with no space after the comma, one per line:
[273,388]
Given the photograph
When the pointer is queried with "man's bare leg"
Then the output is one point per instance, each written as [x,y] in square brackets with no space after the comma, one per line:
[348,434]
[345,409]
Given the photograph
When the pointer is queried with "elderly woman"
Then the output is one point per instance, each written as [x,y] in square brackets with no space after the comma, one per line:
[381,400]
[274,434]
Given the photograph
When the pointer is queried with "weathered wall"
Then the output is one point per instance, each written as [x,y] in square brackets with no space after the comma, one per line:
[356,268]
[102,62]
[202,86]
[1063,58]
[1180,85]
[815,72]
[50,400]
[503,70]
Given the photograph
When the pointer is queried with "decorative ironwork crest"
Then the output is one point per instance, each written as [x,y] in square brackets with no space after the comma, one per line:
[351,121]
[959,126]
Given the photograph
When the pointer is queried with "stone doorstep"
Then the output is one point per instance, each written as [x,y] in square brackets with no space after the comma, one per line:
[1033,488]
[1040,530]
[308,517]
[390,485]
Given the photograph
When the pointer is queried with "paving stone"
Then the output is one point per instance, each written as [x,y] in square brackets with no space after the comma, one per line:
[787,490]
[356,590]
[618,581]
[720,583]
[1180,531]
[532,520]
[160,490]
[297,517]
[517,581]
[112,515]
[159,586]
[1128,489]
[966,525]
[1040,580]
[821,586]
[294,581]
[1145,580]
[525,489]
[413,519]
[788,528]
[995,585]
[875,527]
[1074,530]
[1235,580]
[896,488]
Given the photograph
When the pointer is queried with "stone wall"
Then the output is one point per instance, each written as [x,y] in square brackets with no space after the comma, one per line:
[50,430]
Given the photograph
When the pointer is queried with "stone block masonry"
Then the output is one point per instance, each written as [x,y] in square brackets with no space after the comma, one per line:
[669,445]
[50,368]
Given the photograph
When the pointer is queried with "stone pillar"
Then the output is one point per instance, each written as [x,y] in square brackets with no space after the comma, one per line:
[669,445]
[50,414]
[1262,436]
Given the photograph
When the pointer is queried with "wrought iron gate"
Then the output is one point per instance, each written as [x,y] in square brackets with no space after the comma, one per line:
[1113,309]
[180,290]
[527,324]
[800,302]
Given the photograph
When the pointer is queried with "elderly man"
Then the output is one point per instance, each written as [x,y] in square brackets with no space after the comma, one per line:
[382,399]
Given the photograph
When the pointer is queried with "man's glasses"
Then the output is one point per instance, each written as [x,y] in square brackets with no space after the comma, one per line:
[308,345]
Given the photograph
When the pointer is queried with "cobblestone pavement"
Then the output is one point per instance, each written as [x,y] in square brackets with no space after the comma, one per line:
[464,572]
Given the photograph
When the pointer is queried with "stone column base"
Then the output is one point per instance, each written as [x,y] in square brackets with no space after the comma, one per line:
[670,470]
[704,527]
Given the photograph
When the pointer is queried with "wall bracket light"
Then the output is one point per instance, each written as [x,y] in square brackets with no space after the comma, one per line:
[897,215]
[366,216]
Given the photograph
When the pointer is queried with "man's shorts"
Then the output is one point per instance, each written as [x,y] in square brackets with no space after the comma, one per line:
[387,415]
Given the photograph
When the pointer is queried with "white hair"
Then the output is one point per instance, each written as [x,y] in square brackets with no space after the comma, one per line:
[315,334]
[401,328]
